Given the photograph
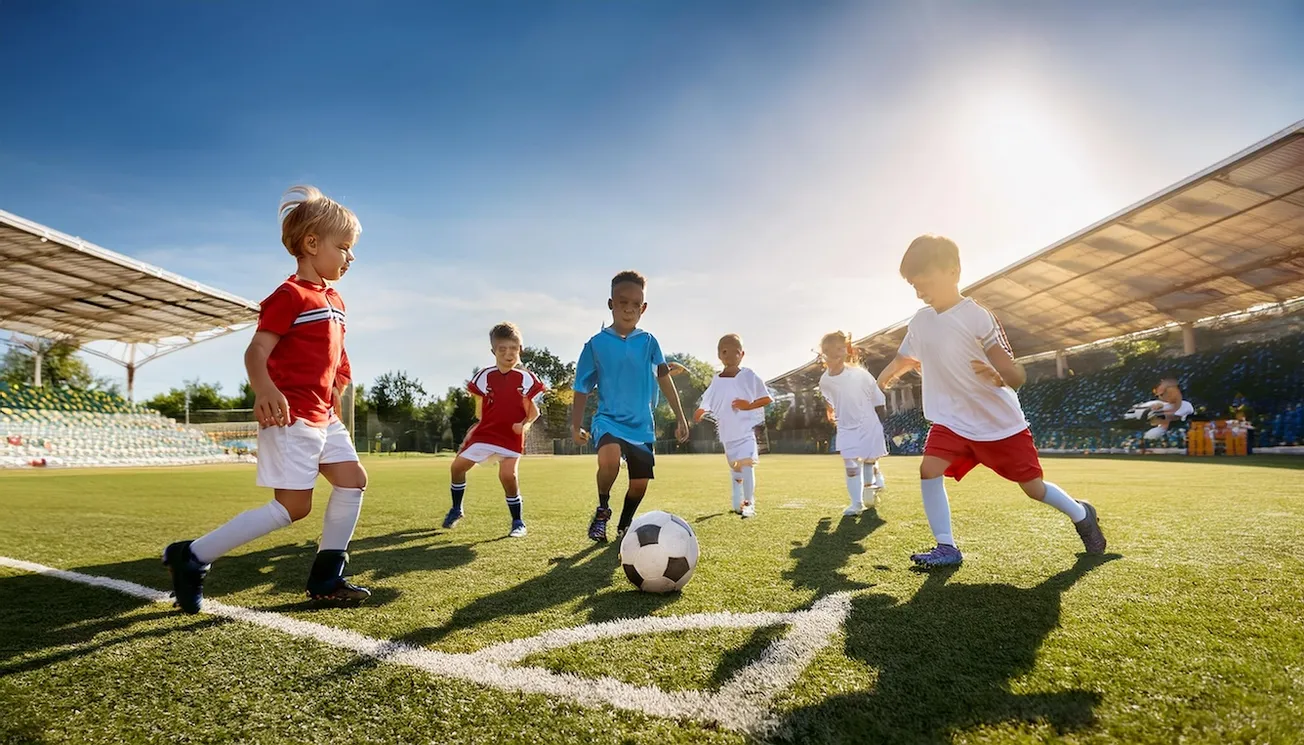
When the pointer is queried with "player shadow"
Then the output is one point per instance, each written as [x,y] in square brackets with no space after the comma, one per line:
[70,620]
[712,516]
[283,569]
[580,575]
[820,561]
[945,660]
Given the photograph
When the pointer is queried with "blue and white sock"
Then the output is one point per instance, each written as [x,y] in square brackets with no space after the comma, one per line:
[514,506]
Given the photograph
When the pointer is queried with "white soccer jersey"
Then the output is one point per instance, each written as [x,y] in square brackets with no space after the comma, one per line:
[946,346]
[718,399]
[853,394]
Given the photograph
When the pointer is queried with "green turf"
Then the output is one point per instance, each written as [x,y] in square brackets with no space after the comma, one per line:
[1191,633]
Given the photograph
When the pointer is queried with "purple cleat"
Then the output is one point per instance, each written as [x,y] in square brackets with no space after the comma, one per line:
[1093,540]
[942,555]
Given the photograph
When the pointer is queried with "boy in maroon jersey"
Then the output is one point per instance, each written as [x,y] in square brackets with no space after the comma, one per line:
[504,397]
[298,369]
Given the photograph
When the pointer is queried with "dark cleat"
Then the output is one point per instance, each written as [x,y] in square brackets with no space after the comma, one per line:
[326,581]
[453,517]
[1093,540]
[187,576]
[598,528]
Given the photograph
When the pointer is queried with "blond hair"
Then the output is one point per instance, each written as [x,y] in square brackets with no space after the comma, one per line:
[841,337]
[730,337]
[305,210]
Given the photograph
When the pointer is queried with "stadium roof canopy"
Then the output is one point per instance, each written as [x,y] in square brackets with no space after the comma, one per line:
[59,287]
[1229,238]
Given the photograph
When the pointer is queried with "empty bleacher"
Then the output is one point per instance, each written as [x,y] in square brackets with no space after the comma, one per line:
[45,427]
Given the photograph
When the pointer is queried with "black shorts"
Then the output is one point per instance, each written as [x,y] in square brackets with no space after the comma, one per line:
[638,458]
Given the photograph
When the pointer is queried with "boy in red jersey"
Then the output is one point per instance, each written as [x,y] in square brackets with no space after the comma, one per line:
[298,369]
[970,381]
[504,397]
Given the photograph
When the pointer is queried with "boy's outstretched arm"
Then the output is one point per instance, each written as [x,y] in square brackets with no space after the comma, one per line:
[672,396]
[895,369]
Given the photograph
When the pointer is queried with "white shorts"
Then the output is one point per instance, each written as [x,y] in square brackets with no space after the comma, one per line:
[742,450]
[481,452]
[288,457]
[862,443]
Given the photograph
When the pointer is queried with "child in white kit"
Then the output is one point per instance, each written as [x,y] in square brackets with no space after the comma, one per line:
[736,400]
[857,406]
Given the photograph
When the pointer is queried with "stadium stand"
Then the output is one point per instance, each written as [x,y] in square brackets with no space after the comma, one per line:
[43,427]
[60,287]
[1225,242]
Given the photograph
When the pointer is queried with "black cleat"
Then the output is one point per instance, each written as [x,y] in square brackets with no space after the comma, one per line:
[598,528]
[187,576]
[326,581]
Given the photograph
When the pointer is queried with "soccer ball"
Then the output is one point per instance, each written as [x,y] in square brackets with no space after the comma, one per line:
[659,552]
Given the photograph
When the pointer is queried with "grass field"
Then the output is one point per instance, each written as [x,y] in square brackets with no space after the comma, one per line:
[1190,629]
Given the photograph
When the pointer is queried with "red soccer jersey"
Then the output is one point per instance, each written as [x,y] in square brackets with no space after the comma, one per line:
[308,362]
[504,395]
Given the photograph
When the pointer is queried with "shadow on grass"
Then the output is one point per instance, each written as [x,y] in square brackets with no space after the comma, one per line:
[945,659]
[820,561]
[45,621]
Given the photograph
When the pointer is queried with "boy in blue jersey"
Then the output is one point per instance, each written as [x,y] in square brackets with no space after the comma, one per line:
[624,364]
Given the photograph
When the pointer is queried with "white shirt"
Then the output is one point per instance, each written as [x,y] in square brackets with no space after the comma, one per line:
[718,399]
[853,394]
[946,344]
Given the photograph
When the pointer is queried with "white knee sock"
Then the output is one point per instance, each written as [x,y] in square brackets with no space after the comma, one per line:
[1055,497]
[239,530]
[736,479]
[856,484]
[341,518]
[938,509]
[749,485]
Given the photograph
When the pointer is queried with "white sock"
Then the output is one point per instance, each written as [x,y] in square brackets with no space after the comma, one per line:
[736,479]
[938,509]
[856,485]
[749,485]
[341,518]
[1055,497]
[239,530]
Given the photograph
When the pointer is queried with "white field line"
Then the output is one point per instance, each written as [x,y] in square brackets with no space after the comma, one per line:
[742,704]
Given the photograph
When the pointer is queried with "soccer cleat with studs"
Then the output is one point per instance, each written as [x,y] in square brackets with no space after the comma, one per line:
[187,576]
[598,526]
[326,581]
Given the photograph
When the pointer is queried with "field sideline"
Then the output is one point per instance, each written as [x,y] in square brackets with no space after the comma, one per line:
[799,626]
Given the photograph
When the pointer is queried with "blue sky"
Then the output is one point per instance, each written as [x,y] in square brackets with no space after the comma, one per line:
[764,163]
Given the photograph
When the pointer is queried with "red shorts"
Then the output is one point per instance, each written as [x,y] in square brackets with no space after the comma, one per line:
[1014,458]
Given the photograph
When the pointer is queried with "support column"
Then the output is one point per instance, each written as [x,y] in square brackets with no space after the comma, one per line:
[40,362]
[131,372]
[1061,364]
[1188,339]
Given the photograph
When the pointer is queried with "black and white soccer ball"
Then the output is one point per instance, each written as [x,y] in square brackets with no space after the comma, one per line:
[659,552]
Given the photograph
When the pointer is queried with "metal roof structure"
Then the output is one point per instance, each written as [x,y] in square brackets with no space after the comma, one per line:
[59,287]
[1227,239]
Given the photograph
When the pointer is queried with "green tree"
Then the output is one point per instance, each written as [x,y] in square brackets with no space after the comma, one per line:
[461,412]
[202,396]
[1130,350]
[554,406]
[246,398]
[396,396]
[61,367]
[691,386]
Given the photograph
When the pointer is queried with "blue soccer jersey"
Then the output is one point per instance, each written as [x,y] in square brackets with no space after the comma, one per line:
[624,373]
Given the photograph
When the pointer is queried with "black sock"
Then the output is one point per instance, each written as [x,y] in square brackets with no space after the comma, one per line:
[627,512]
[604,500]
[514,504]
[458,491]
